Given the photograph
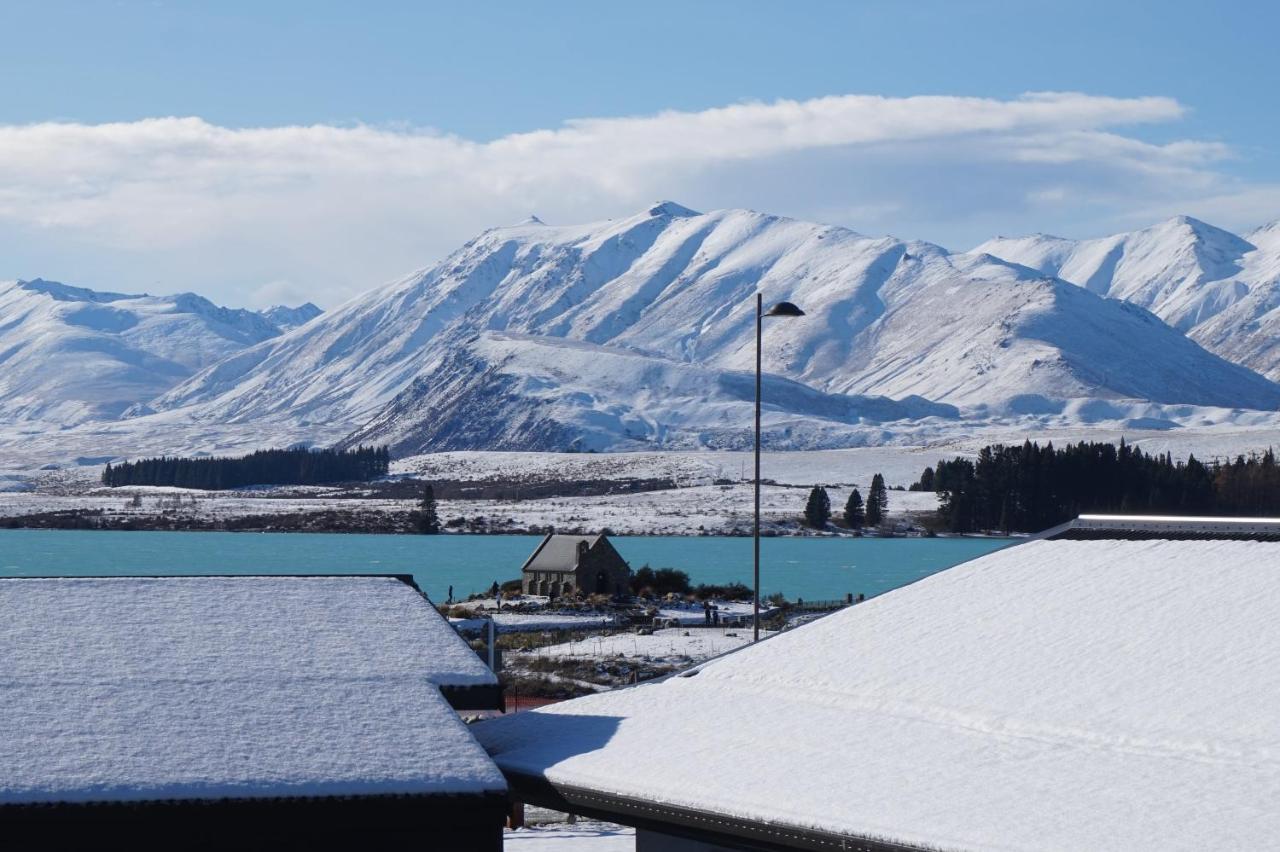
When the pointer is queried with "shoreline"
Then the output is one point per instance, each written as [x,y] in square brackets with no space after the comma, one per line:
[824,536]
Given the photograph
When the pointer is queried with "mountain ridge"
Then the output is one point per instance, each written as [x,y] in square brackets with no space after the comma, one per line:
[886,318]
[537,314]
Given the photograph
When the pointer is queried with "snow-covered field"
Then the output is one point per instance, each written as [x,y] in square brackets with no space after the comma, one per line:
[512,622]
[686,511]
[696,505]
[584,836]
[674,643]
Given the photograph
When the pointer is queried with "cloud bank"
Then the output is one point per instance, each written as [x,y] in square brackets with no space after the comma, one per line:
[260,215]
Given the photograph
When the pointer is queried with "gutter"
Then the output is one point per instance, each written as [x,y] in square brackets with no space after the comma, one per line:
[690,823]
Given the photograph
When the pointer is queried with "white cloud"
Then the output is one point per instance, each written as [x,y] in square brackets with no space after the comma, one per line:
[320,212]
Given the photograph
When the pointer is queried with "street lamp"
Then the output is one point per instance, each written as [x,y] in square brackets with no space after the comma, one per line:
[781,309]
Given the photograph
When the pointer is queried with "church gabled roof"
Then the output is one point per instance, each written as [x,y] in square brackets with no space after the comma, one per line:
[559,552]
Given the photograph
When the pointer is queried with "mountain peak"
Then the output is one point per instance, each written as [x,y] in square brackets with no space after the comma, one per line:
[1197,227]
[67,293]
[531,219]
[288,318]
[670,208]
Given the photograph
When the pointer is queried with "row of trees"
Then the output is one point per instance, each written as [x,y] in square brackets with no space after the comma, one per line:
[857,513]
[265,467]
[1029,488]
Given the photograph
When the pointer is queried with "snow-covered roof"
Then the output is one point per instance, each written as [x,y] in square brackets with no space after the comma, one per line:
[140,689]
[1059,694]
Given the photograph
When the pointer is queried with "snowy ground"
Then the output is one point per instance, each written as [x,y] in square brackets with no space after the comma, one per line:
[695,505]
[679,511]
[584,836]
[670,644]
[515,622]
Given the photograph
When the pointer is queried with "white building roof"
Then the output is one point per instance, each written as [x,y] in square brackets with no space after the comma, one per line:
[210,687]
[1061,694]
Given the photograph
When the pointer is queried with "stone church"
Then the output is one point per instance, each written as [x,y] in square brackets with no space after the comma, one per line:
[565,565]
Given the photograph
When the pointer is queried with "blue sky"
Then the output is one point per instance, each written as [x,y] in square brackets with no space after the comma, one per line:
[485,72]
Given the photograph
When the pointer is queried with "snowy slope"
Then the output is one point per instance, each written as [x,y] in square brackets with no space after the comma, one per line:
[886,318]
[286,318]
[68,354]
[1221,289]
[503,391]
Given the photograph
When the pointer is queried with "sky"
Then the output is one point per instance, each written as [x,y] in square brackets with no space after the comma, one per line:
[262,153]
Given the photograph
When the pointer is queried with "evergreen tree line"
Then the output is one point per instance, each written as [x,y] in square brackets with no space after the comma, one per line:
[1030,488]
[264,467]
[857,513]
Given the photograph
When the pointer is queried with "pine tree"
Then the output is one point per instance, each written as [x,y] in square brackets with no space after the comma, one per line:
[877,501]
[428,519]
[854,515]
[817,511]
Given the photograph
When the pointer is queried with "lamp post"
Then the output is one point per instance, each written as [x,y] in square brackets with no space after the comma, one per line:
[781,309]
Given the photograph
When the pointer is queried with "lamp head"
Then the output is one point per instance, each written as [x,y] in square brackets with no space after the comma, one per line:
[784,309]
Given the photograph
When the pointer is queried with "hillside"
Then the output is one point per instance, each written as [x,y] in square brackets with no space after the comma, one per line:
[70,354]
[1220,289]
[517,392]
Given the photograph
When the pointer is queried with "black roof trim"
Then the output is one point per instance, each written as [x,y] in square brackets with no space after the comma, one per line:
[475,696]
[137,804]
[690,823]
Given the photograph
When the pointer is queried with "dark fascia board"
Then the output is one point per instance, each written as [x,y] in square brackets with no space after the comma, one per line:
[690,823]
[456,822]
[480,696]
[491,798]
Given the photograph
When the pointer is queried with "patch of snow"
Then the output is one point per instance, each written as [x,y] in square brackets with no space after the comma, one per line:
[582,836]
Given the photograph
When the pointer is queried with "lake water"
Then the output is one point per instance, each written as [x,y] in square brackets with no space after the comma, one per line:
[811,568]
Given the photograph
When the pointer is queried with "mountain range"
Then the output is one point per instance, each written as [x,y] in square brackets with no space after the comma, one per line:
[639,332]
[70,355]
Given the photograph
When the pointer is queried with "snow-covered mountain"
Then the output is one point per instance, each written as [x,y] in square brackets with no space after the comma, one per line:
[669,287]
[505,391]
[286,318]
[1221,289]
[69,354]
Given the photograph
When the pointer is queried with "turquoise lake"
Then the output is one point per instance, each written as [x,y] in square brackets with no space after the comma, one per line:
[811,568]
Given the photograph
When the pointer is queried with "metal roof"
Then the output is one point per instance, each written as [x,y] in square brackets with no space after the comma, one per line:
[559,552]
[1168,527]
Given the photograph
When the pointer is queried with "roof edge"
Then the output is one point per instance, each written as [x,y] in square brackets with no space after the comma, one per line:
[1165,526]
[691,823]
[536,551]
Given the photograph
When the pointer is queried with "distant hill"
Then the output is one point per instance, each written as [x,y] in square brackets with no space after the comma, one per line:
[1221,289]
[70,354]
